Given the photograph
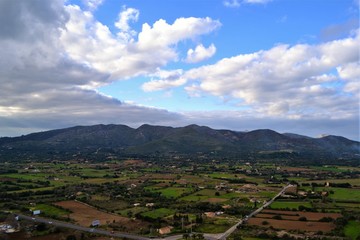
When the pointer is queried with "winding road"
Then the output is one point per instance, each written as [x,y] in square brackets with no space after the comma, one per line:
[208,236]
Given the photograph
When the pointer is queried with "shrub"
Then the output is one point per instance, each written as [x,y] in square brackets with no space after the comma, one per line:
[278,217]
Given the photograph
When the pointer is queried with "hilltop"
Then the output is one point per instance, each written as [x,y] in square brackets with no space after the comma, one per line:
[147,140]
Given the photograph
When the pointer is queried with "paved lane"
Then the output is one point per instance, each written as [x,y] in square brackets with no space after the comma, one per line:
[81,228]
[233,228]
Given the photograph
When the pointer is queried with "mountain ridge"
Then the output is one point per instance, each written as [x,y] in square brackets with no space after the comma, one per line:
[121,140]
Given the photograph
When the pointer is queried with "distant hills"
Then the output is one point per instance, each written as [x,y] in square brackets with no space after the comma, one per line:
[101,141]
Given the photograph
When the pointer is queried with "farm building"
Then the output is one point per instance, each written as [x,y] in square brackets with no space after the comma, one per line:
[165,230]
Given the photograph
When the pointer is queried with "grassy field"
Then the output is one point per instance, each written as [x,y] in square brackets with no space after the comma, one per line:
[352,230]
[132,211]
[192,198]
[330,169]
[290,205]
[173,192]
[223,175]
[50,210]
[231,195]
[345,194]
[158,213]
[211,228]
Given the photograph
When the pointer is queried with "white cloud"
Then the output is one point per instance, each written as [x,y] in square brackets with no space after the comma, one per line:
[231,3]
[43,86]
[90,42]
[53,58]
[126,16]
[164,80]
[200,53]
[351,74]
[297,81]
[92,5]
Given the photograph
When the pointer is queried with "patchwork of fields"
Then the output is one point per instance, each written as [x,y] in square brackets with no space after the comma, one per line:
[139,197]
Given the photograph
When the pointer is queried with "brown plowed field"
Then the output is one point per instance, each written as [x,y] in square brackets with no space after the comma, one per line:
[293,225]
[295,215]
[84,214]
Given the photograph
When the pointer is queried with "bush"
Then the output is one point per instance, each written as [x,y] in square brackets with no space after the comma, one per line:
[326,219]
[302,219]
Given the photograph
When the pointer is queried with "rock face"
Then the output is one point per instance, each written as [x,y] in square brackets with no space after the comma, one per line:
[159,140]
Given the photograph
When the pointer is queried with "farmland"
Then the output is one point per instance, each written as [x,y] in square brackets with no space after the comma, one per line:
[140,196]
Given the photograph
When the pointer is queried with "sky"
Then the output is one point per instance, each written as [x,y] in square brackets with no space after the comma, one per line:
[287,65]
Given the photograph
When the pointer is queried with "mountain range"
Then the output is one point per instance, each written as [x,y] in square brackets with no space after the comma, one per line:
[121,140]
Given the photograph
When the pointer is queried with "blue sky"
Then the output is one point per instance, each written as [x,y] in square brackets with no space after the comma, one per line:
[287,65]
[245,29]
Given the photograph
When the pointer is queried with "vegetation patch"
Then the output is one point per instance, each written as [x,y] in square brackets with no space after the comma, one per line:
[173,192]
[352,230]
[50,210]
[211,228]
[289,205]
[158,213]
[345,194]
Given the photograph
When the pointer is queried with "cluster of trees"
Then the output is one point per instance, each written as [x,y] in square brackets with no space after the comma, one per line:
[193,236]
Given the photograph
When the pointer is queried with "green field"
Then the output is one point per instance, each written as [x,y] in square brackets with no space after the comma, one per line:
[345,194]
[193,198]
[216,225]
[173,192]
[158,213]
[201,195]
[330,169]
[231,195]
[352,230]
[290,205]
[223,175]
[211,228]
[132,211]
[50,210]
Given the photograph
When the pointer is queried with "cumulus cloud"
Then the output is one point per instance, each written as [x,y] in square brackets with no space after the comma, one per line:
[200,53]
[300,81]
[126,16]
[90,42]
[162,80]
[92,5]
[46,84]
[53,58]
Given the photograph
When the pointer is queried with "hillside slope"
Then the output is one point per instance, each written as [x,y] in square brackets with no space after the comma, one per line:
[121,140]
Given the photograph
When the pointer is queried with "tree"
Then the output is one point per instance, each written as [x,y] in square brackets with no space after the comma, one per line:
[199,218]
[129,214]
[71,237]
[186,236]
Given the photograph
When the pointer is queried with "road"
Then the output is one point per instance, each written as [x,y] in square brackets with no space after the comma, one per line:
[220,236]
[77,227]
[224,235]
